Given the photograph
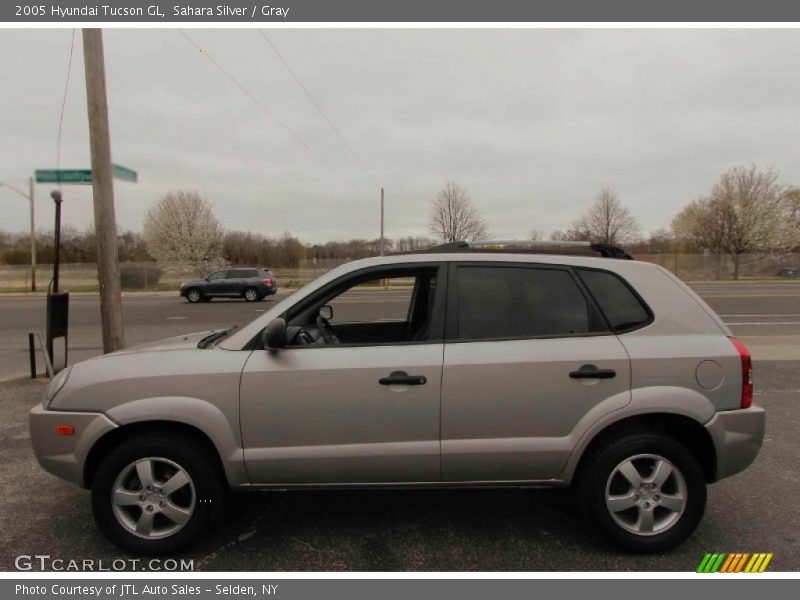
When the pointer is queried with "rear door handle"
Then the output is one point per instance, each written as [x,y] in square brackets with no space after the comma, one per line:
[592,372]
[402,378]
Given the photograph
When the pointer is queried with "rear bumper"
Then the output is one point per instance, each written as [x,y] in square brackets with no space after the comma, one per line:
[737,436]
[65,456]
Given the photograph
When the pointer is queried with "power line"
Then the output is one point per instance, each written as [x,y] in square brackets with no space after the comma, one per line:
[272,115]
[318,107]
[64,102]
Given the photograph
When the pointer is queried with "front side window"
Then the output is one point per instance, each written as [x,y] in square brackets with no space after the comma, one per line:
[217,276]
[396,306]
[520,302]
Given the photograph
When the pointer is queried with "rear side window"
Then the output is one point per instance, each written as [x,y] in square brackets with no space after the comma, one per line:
[243,274]
[511,302]
[623,309]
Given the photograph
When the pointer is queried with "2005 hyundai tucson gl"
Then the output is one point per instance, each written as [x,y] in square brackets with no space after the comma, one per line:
[479,368]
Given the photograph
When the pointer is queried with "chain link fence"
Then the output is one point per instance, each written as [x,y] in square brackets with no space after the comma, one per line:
[151,276]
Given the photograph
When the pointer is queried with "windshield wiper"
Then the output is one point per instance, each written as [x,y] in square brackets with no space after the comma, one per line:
[214,337]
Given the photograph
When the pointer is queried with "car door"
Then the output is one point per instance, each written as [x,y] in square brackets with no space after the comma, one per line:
[233,282]
[528,362]
[216,284]
[344,413]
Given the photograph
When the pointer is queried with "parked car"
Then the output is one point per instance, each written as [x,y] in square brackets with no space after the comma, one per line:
[250,283]
[789,272]
[487,369]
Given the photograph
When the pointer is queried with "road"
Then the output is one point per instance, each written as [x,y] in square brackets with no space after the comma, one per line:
[765,315]
[441,530]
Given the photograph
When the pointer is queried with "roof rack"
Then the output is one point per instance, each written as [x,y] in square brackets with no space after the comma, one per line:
[528,247]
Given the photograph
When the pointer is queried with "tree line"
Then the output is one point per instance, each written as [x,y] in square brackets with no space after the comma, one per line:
[746,211]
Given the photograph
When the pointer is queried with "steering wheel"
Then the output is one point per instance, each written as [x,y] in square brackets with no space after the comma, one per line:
[326,330]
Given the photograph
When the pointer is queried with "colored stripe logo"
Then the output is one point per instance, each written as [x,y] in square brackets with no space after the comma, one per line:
[735,562]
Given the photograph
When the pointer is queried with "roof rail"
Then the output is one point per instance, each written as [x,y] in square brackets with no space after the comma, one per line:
[517,246]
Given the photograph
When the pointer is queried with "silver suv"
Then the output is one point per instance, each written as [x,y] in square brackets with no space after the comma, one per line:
[466,365]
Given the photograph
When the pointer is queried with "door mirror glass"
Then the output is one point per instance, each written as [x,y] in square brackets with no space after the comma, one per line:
[326,311]
[274,334]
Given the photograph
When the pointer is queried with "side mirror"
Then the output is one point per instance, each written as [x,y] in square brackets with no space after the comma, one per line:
[326,311]
[274,334]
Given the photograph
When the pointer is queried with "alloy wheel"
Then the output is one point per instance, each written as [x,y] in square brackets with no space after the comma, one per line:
[153,498]
[646,494]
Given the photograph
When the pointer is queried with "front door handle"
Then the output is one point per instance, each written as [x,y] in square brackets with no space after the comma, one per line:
[402,378]
[592,372]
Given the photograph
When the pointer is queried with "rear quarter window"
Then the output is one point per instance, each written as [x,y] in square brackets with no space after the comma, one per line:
[622,307]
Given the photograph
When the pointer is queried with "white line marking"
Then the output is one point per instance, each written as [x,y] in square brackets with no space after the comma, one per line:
[768,323]
[175,318]
[762,315]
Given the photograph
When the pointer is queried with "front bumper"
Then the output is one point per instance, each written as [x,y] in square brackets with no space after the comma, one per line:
[737,436]
[65,455]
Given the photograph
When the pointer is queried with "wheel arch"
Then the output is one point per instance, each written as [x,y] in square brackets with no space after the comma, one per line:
[685,429]
[111,439]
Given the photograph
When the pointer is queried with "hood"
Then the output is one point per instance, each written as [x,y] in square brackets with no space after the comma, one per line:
[179,342]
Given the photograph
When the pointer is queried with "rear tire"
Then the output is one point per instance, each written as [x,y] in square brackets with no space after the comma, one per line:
[155,496]
[250,294]
[645,491]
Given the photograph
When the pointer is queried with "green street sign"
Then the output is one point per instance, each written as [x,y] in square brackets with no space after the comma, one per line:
[82,176]
[124,173]
[74,176]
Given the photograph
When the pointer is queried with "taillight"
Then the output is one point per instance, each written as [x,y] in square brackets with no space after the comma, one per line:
[268,281]
[747,373]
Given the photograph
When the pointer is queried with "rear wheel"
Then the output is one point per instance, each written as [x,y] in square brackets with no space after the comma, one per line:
[644,491]
[155,496]
[250,294]
[194,295]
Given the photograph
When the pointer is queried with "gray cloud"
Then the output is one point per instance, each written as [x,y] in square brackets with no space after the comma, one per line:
[531,122]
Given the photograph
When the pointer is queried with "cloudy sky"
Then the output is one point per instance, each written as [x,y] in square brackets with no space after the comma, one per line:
[531,122]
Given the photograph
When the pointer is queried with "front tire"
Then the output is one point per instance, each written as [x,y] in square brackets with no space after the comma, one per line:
[645,491]
[194,295]
[155,496]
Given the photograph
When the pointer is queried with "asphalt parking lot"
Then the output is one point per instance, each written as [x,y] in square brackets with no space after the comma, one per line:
[442,530]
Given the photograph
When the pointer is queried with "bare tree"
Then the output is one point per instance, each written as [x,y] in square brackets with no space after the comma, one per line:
[791,208]
[454,217]
[746,212]
[607,221]
[536,235]
[181,227]
[570,235]
[749,204]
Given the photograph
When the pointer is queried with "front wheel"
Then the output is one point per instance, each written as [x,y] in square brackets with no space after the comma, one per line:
[194,295]
[644,491]
[155,496]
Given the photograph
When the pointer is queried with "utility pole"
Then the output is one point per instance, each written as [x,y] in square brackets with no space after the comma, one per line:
[382,241]
[103,191]
[33,236]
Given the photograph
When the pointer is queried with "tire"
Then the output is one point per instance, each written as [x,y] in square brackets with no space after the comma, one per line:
[660,516]
[194,295]
[250,294]
[192,505]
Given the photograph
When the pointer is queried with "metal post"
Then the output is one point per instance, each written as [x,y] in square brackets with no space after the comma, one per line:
[382,241]
[32,354]
[56,196]
[33,236]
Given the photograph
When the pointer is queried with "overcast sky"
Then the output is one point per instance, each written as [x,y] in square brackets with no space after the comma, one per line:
[531,122]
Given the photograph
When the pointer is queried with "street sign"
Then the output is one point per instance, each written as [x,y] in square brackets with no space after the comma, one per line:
[82,176]
[74,176]
[124,173]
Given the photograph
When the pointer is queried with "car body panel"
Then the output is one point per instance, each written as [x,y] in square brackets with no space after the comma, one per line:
[508,407]
[318,414]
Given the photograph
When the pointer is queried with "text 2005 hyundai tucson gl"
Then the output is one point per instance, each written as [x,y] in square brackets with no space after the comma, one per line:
[477,368]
